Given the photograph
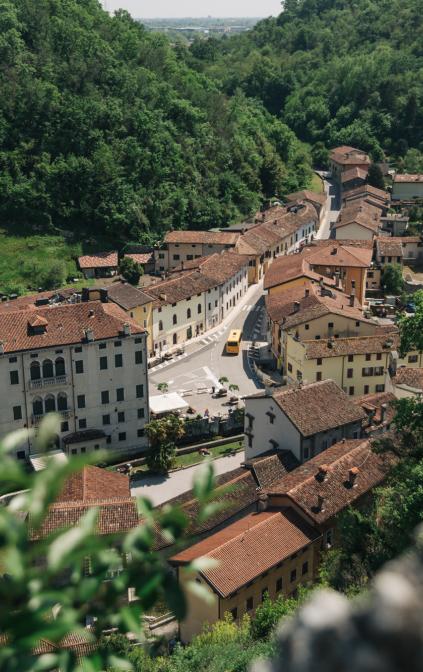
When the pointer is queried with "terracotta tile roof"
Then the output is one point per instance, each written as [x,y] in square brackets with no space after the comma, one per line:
[339,256]
[239,492]
[306,484]
[99,260]
[291,267]
[109,491]
[141,258]
[306,195]
[81,644]
[30,301]
[271,467]
[346,155]
[356,345]
[215,270]
[202,237]
[127,296]
[388,247]
[408,177]
[249,546]
[364,191]
[353,174]
[412,377]
[361,213]
[372,405]
[66,324]
[317,407]
[293,307]
[345,242]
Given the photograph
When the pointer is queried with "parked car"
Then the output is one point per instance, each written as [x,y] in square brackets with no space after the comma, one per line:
[222,392]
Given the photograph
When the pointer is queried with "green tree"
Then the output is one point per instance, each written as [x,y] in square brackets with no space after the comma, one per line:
[375,176]
[130,270]
[269,613]
[391,279]
[320,156]
[163,387]
[163,433]
[411,327]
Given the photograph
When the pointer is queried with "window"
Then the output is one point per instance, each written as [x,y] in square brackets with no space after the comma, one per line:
[118,361]
[17,413]
[62,401]
[199,308]
[412,359]
[379,356]
[264,592]
[234,613]
[293,576]
[319,361]
[141,413]
[368,357]
[290,368]
[138,340]
[210,304]
[140,432]
[118,344]
[367,371]
[12,360]
[350,373]
[176,257]
[122,436]
[103,363]
[48,371]
[249,604]
[279,584]
[79,366]
[160,325]
[64,427]
[121,416]
[351,390]
[306,327]
[139,391]
[330,325]
[80,400]
[188,313]
[102,346]
[350,358]
[366,389]
[35,371]
[138,356]
[37,406]
[20,455]
[106,419]
[49,403]
[304,569]
[105,397]
[190,257]
[59,366]
[120,394]
[83,449]
[82,423]
[14,377]
[318,376]
[378,370]
[380,388]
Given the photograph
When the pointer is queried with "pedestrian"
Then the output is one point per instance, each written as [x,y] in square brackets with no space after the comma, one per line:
[213,389]
[206,413]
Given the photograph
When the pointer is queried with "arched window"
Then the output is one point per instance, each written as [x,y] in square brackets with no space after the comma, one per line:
[60,366]
[199,308]
[48,371]
[62,401]
[37,406]
[160,325]
[175,339]
[35,370]
[175,319]
[189,313]
[49,403]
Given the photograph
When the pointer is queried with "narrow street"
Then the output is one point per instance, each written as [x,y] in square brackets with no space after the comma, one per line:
[333,206]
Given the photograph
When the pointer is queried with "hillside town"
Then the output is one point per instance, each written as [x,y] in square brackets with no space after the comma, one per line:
[279,334]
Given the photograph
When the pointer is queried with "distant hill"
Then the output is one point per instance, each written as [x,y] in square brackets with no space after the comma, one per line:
[106,129]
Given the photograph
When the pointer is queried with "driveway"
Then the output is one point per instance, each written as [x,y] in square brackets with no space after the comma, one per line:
[160,489]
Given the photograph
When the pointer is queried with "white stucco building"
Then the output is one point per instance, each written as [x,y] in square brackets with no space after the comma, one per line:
[85,361]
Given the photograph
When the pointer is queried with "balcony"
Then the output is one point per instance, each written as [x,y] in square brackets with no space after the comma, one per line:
[36,419]
[47,382]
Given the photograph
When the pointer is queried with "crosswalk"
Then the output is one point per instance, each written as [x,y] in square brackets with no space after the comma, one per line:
[167,362]
[214,337]
[256,308]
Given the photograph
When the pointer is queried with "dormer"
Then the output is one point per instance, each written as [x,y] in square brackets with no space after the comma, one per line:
[37,324]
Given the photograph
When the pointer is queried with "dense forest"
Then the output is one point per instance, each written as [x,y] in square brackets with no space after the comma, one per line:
[335,71]
[106,128]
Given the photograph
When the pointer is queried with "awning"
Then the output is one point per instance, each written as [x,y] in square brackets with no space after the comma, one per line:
[39,461]
[171,402]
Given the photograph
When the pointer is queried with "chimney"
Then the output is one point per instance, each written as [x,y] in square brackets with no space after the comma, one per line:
[330,342]
[352,475]
[320,503]
[334,250]
[352,299]
[91,313]
[321,282]
[89,334]
[127,329]
[306,292]
[296,306]
[263,503]
[322,473]
[338,278]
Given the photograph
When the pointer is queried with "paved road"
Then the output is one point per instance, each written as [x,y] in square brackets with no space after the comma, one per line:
[203,368]
[160,489]
[333,207]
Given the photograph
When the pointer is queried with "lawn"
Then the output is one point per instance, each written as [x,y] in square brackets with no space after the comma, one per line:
[317,184]
[215,451]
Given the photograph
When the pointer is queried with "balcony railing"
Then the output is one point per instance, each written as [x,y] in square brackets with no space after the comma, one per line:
[48,382]
[36,419]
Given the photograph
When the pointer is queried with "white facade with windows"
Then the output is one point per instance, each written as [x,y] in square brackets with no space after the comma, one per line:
[98,386]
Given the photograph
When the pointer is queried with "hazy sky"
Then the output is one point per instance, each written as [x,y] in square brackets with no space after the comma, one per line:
[177,8]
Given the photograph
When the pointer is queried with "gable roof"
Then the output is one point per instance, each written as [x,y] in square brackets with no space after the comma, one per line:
[407,375]
[141,257]
[249,547]
[408,177]
[291,267]
[353,174]
[98,260]
[364,191]
[202,237]
[307,195]
[327,476]
[389,247]
[354,345]
[346,155]
[64,325]
[317,407]
[272,466]
[339,255]
[127,296]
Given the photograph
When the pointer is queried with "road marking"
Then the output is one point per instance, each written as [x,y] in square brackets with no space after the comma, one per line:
[204,341]
[170,382]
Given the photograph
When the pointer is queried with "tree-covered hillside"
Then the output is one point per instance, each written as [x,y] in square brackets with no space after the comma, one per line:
[336,71]
[105,127]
